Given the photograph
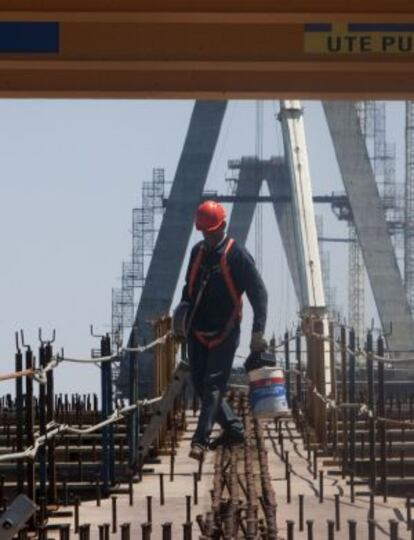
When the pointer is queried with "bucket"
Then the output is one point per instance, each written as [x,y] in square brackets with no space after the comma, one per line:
[267,393]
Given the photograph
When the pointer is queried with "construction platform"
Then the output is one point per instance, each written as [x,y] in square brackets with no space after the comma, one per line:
[312,499]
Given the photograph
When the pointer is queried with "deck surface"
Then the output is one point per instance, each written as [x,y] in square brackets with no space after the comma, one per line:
[303,483]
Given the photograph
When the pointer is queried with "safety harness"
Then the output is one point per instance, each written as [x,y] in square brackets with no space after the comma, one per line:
[213,341]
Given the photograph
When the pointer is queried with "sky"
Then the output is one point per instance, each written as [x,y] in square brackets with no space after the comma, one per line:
[71,174]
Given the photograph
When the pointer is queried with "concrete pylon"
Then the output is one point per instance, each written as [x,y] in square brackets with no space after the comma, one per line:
[280,187]
[277,175]
[248,185]
[369,220]
[173,237]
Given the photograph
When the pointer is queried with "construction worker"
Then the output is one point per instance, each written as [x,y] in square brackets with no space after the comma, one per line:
[219,272]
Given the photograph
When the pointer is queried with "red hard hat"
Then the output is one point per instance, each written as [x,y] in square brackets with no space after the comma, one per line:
[210,216]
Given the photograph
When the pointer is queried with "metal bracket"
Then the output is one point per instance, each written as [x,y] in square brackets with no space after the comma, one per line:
[93,333]
[47,341]
[24,344]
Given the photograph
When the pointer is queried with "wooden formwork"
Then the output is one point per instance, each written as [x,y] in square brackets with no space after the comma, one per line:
[164,365]
[315,374]
[164,355]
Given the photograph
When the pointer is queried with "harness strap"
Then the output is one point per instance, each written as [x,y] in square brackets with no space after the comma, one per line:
[227,276]
[236,298]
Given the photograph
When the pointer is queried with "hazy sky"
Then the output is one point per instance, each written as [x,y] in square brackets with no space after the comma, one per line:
[71,174]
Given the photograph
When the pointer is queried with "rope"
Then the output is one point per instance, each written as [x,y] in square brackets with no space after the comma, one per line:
[396,423]
[358,352]
[54,429]
[333,404]
[16,374]
[140,349]
[274,349]
[39,374]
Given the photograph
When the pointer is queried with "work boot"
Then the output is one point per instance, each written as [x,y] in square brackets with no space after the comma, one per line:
[227,438]
[197,452]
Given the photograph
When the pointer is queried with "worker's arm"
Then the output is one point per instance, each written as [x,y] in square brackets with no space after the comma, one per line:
[255,290]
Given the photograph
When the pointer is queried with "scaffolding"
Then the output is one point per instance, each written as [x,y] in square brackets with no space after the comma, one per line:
[356,285]
[382,154]
[232,176]
[330,291]
[356,268]
[383,159]
[372,116]
[144,229]
[409,205]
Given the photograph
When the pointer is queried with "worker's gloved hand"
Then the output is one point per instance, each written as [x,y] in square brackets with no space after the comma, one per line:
[258,342]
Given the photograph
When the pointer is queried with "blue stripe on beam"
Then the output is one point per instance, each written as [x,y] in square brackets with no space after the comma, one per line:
[318,27]
[29,37]
[382,27]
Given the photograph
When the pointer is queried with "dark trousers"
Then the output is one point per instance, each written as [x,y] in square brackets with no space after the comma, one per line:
[210,372]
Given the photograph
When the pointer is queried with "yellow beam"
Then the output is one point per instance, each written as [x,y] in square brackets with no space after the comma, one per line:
[208,84]
[208,11]
[210,48]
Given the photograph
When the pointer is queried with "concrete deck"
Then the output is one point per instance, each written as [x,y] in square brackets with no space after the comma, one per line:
[174,509]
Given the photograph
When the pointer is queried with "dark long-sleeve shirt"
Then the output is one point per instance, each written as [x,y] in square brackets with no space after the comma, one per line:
[216,305]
